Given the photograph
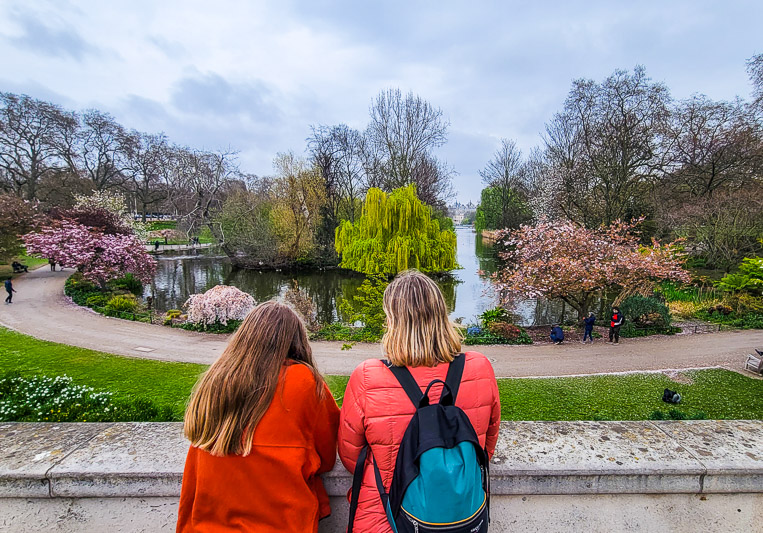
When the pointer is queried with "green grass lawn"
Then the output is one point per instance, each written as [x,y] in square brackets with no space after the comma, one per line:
[719,394]
[164,383]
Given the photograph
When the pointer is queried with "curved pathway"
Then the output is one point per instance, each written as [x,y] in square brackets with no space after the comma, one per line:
[41,310]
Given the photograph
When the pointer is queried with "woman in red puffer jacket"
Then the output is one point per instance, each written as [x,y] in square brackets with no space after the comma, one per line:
[376,411]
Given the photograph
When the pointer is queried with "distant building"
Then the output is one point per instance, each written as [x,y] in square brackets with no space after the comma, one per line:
[458,212]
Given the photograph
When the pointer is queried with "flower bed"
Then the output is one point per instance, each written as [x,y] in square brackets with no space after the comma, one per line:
[118,300]
[58,399]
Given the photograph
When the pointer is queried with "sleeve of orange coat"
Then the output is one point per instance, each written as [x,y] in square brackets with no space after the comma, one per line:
[325,432]
[495,417]
[352,430]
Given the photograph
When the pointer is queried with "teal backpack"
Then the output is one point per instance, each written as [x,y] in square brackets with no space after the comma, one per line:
[441,477]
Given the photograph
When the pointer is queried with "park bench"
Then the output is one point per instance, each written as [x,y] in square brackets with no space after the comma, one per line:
[754,364]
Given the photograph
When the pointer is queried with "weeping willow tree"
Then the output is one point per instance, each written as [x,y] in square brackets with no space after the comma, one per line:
[395,232]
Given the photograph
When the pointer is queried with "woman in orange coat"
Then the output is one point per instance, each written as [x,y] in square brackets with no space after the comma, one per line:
[262,425]
[376,410]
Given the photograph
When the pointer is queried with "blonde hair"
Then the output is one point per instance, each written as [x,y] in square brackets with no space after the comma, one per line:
[231,397]
[419,332]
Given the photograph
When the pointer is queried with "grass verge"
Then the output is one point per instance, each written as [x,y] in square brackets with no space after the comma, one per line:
[716,393]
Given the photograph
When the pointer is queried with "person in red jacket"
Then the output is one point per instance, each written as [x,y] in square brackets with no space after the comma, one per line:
[376,410]
[262,425]
[614,326]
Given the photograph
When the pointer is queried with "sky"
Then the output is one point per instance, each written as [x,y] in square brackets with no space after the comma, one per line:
[254,76]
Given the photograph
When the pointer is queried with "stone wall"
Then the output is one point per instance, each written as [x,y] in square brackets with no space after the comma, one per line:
[550,476]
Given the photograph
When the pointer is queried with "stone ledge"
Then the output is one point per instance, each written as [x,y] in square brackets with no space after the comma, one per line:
[145,460]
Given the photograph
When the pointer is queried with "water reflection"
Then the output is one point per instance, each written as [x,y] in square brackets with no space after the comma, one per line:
[468,293]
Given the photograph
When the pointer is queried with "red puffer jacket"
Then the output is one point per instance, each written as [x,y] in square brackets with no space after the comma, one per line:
[377,411]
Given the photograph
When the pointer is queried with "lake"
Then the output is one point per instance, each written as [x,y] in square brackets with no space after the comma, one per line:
[469,293]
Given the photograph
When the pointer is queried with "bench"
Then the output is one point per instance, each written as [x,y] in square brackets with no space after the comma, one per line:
[754,364]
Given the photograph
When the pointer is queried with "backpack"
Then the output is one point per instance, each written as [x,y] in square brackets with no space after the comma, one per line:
[670,396]
[441,480]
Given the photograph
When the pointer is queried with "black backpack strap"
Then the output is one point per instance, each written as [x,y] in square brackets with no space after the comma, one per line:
[357,481]
[455,372]
[406,381]
[384,495]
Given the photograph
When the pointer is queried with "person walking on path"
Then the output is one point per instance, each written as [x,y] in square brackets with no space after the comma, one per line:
[10,290]
[557,334]
[377,410]
[52,263]
[262,424]
[589,321]
[614,326]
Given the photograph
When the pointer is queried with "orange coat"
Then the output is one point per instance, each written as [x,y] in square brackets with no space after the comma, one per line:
[376,411]
[276,488]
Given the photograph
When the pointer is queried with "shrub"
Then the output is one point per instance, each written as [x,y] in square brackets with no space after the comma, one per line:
[721,309]
[497,314]
[97,300]
[174,313]
[645,311]
[128,283]
[509,332]
[304,306]
[220,304]
[215,327]
[343,332]
[79,289]
[746,303]
[122,303]
[366,306]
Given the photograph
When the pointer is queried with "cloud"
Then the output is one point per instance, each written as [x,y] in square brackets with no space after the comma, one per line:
[212,95]
[47,41]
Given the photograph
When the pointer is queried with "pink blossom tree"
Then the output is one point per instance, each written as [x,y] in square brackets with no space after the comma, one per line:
[219,304]
[99,256]
[563,260]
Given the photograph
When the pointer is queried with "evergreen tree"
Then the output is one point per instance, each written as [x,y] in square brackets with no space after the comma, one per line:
[395,232]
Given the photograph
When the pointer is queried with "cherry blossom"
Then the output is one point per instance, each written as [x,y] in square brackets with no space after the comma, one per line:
[100,257]
[219,304]
[566,261]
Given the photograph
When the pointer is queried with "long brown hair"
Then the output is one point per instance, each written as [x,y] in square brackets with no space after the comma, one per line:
[233,394]
[419,332]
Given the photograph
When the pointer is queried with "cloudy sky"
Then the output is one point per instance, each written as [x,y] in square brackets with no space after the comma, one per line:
[253,76]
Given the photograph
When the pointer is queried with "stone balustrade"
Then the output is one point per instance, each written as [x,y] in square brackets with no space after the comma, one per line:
[545,476]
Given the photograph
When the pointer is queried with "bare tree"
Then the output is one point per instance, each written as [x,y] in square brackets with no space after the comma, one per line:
[402,134]
[32,135]
[712,146]
[147,156]
[755,70]
[103,150]
[606,147]
[299,196]
[507,174]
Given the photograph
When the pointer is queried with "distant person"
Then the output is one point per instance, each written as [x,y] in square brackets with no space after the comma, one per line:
[10,290]
[557,335]
[18,267]
[263,426]
[156,246]
[588,322]
[52,263]
[614,326]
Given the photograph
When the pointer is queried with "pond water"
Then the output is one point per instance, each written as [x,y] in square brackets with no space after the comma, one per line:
[468,294]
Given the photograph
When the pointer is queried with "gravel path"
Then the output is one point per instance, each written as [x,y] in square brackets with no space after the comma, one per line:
[41,310]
